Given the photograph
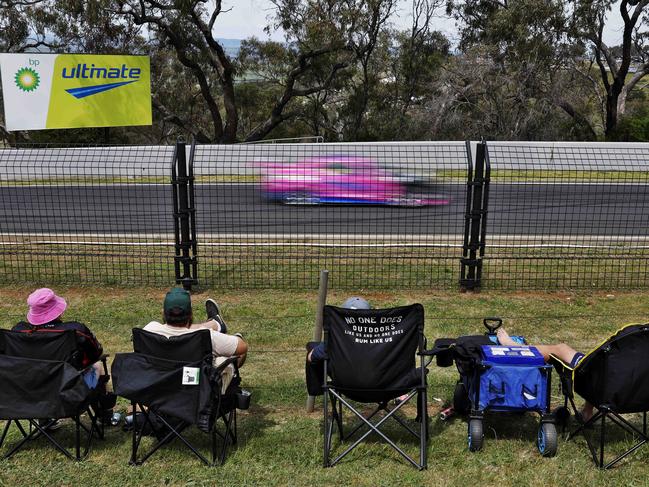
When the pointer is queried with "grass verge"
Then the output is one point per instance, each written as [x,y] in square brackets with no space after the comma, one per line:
[237,266]
[280,444]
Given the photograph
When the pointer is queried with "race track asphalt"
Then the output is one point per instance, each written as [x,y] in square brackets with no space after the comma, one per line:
[514,209]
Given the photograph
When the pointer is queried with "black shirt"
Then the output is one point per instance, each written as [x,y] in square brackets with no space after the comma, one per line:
[87,343]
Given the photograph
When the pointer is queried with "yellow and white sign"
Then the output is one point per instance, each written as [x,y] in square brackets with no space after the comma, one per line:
[55,91]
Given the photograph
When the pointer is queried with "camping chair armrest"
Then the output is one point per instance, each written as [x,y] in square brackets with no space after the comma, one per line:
[443,350]
[433,351]
[104,362]
[234,360]
[439,346]
[560,366]
[565,372]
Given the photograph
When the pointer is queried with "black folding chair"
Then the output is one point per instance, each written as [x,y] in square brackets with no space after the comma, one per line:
[152,378]
[371,359]
[41,384]
[614,378]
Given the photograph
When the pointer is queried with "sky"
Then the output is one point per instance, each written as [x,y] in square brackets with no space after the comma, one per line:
[247,18]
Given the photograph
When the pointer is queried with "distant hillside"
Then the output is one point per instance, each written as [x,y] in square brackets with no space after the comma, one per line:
[231,46]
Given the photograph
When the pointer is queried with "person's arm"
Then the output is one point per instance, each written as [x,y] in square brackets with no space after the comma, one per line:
[229,345]
[208,325]
[242,350]
[90,346]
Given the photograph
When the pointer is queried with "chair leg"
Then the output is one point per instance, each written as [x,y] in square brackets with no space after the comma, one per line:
[77,445]
[4,431]
[213,444]
[361,424]
[20,427]
[235,436]
[625,425]
[597,451]
[602,439]
[423,434]
[374,428]
[134,442]
[228,433]
[36,432]
[331,425]
[325,450]
[582,428]
[336,409]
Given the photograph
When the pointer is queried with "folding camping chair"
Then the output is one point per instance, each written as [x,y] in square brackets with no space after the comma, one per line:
[41,384]
[614,378]
[155,378]
[371,359]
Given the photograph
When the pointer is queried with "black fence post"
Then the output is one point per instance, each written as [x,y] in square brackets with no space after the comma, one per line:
[475,228]
[182,181]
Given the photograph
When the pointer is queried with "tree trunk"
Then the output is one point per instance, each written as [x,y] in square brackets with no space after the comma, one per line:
[611,114]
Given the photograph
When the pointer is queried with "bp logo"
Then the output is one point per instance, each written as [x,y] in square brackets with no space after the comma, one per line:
[27,79]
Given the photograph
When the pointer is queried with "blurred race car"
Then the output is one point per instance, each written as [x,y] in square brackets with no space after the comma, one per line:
[339,179]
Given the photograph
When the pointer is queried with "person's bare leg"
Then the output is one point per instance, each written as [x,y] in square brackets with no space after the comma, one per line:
[99,369]
[562,351]
[504,338]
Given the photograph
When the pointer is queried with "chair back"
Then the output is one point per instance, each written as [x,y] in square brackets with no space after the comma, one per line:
[40,345]
[190,347]
[34,388]
[372,349]
[617,372]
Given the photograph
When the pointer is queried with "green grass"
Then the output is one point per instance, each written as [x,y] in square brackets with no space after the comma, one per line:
[550,176]
[109,180]
[280,444]
[238,266]
[440,176]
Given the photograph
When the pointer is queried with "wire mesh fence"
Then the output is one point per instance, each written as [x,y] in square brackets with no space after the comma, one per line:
[388,215]
[375,215]
[568,216]
[86,215]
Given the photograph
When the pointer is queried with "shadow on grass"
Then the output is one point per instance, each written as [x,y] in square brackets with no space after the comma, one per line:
[116,443]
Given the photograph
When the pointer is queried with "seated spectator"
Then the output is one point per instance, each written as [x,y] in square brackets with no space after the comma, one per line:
[316,350]
[178,320]
[562,351]
[45,315]
[316,353]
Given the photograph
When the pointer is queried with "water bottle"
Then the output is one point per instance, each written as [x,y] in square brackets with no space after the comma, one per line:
[115,419]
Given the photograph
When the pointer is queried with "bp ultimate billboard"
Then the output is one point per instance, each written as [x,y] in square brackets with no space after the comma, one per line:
[55,91]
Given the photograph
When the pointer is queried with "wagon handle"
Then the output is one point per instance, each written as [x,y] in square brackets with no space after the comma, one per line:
[492,324]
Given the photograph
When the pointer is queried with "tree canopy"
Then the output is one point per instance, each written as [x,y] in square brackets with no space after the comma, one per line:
[518,69]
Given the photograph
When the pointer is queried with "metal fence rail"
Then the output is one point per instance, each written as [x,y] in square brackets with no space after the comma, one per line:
[86,215]
[568,216]
[376,215]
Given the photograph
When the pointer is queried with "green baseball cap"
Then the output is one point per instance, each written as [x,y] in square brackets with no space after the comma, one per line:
[177,302]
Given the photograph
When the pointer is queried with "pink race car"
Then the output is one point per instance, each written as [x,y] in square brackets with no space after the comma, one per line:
[338,179]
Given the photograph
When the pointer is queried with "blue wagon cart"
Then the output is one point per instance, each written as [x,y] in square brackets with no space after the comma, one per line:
[495,378]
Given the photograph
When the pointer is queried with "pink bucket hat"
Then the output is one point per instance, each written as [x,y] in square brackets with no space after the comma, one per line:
[44,306]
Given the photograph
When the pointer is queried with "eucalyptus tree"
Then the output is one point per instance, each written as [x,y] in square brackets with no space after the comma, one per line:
[619,68]
[323,38]
[559,40]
